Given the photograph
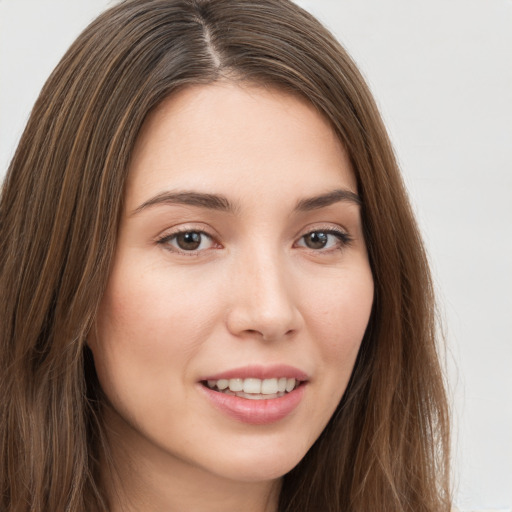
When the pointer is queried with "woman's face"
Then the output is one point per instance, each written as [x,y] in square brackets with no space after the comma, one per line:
[240,290]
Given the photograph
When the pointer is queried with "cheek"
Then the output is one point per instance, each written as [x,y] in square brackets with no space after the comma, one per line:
[143,344]
[151,306]
[147,323]
[340,318]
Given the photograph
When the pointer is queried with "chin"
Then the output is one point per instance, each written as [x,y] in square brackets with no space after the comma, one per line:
[261,463]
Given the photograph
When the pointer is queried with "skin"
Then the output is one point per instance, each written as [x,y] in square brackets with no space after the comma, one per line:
[253,292]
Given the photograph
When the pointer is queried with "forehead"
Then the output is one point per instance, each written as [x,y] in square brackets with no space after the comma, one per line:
[227,137]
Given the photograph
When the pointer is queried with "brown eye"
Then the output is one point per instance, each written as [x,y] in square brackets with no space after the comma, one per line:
[188,241]
[324,240]
[316,240]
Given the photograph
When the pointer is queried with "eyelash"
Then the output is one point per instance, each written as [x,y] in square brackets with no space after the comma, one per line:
[164,240]
[344,240]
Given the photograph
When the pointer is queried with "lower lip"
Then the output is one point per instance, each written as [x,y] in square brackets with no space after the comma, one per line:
[256,412]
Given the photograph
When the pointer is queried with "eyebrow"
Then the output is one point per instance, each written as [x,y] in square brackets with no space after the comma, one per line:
[202,200]
[222,203]
[327,199]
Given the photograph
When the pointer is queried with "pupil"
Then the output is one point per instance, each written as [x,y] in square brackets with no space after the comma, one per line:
[316,240]
[189,241]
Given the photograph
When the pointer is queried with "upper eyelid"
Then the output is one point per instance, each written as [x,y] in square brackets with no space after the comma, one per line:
[330,229]
[344,236]
[173,234]
[322,226]
[186,228]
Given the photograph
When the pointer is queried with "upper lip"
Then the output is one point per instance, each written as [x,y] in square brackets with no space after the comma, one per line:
[260,372]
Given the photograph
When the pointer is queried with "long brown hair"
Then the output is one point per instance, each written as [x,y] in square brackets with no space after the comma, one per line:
[386,447]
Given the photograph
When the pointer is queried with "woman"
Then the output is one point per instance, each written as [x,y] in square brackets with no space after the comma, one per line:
[214,293]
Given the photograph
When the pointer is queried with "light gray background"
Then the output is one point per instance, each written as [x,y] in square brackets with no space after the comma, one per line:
[441,71]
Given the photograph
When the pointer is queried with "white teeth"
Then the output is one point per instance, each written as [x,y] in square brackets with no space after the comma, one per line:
[236,384]
[260,396]
[269,387]
[222,384]
[266,388]
[252,386]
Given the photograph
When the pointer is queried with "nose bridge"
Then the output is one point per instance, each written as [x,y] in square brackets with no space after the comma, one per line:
[263,301]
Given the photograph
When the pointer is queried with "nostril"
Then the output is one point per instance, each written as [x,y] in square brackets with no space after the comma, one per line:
[269,322]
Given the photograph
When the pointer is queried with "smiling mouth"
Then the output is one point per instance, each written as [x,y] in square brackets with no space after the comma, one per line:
[254,389]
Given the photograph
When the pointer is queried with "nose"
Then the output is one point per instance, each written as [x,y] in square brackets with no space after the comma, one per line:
[263,300]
